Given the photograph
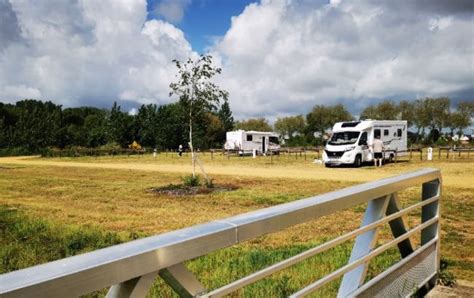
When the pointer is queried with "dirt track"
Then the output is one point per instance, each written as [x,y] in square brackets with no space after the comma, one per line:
[302,171]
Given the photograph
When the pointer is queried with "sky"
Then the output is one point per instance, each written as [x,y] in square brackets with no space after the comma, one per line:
[278,57]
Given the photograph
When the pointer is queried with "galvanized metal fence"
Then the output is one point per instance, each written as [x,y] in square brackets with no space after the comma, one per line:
[129,269]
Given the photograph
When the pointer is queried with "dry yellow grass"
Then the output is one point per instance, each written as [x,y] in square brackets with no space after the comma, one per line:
[458,173]
[112,193]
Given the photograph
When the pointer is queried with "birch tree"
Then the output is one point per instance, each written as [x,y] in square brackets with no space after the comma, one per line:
[197,92]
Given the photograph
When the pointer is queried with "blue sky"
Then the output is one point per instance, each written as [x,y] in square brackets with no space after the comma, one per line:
[203,20]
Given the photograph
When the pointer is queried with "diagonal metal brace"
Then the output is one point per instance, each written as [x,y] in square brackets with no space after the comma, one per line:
[363,245]
[136,288]
[399,226]
[183,281]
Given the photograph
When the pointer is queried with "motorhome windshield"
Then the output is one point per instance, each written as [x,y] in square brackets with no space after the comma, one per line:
[344,138]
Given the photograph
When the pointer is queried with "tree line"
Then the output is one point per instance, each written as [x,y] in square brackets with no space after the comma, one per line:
[429,119]
[29,126]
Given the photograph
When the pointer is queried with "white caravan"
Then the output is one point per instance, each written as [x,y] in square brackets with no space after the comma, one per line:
[351,142]
[247,141]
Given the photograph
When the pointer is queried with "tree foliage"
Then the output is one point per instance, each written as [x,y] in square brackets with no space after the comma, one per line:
[386,110]
[290,127]
[257,124]
[322,118]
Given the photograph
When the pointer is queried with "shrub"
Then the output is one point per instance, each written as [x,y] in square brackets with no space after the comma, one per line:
[446,278]
[191,181]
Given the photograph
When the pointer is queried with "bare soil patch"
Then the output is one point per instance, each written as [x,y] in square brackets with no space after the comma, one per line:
[181,190]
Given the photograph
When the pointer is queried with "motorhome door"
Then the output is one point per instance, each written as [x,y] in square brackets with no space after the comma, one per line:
[263,145]
[364,146]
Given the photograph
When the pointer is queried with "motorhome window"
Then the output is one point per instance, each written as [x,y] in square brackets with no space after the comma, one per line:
[274,140]
[399,132]
[377,133]
[344,138]
[249,138]
[385,132]
[350,124]
[363,139]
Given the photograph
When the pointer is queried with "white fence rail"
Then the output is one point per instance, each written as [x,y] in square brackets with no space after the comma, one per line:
[129,269]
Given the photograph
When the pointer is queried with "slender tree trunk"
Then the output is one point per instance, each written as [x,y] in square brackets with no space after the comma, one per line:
[193,160]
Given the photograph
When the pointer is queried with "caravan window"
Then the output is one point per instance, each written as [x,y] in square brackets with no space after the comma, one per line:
[399,132]
[249,138]
[377,133]
[385,132]
[274,140]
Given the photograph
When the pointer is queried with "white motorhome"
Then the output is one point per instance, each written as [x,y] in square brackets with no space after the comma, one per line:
[247,141]
[351,142]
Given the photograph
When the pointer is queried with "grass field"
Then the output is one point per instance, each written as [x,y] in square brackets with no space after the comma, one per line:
[52,208]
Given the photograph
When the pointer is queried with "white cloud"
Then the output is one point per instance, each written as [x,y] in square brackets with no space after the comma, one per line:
[283,57]
[89,53]
[278,57]
[172,10]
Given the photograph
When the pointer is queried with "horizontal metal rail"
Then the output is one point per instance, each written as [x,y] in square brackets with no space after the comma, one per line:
[254,277]
[145,257]
[332,276]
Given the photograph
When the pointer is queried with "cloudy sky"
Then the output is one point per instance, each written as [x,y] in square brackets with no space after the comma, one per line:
[278,57]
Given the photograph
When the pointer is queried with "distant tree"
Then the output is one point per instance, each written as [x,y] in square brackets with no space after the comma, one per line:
[323,117]
[257,124]
[406,112]
[215,131]
[196,91]
[466,108]
[8,119]
[369,112]
[225,115]
[171,126]
[456,120]
[146,124]
[290,126]
[120,127]
[95,125]
[37,124]
[461,118]
[422,119]
[386,110]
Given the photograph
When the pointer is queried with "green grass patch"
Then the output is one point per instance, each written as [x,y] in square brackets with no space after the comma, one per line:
[26,242]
